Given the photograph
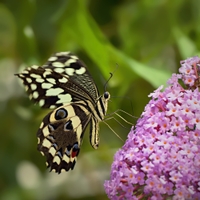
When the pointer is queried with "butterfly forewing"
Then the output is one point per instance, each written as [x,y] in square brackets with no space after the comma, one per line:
[63,79]
[64,84]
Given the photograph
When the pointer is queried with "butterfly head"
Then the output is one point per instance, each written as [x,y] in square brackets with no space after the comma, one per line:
[102,105]
[106,95]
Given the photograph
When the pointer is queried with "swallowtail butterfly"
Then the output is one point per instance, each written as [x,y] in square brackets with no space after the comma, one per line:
[65,85]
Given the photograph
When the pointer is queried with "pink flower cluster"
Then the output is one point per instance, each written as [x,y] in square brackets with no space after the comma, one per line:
[161,157]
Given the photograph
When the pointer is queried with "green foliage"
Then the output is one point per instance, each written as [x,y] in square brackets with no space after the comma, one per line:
[142,42]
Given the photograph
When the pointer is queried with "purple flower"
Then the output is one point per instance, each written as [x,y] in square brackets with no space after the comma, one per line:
[161,157]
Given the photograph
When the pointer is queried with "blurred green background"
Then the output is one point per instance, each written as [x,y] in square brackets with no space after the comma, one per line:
[141,41]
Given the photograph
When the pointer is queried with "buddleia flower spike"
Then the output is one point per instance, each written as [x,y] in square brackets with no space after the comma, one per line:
[64,85]
[161,158]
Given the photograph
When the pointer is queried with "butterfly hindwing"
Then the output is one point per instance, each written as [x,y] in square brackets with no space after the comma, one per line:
[60,135]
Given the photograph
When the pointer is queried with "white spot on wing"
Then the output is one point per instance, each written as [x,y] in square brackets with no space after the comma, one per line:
[62,53]
[53,58]
[52,107]
[52,151]
[35,75]
[38,140]
[57,160]
[25,72]
[74,57]
[66,158]
[51,80]
[40,80]
[42,124]
[21,75]
[45,131]
[63,80]
[59,70]
[41,102]
[57,64]
[64,98]
[80,71]
[33,86]
[69,71]
[54,91]
[68,62]
[46,85]
[35,66]
[46,143]
[35,95]
[47,72]
[29,80]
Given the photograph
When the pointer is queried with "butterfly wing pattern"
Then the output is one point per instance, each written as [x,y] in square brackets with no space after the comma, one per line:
[64,85]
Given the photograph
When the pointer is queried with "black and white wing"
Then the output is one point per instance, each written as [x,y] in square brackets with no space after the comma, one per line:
[63,79]
[65,85]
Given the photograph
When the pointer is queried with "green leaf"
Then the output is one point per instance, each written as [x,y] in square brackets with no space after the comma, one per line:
[185,45]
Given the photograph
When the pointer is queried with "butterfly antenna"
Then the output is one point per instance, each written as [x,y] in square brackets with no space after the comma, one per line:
[111,75]
[105,86]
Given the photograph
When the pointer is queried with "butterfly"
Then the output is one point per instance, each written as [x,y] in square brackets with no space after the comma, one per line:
[64,85]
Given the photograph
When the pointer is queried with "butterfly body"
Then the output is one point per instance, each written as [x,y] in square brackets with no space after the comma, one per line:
[65,85]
